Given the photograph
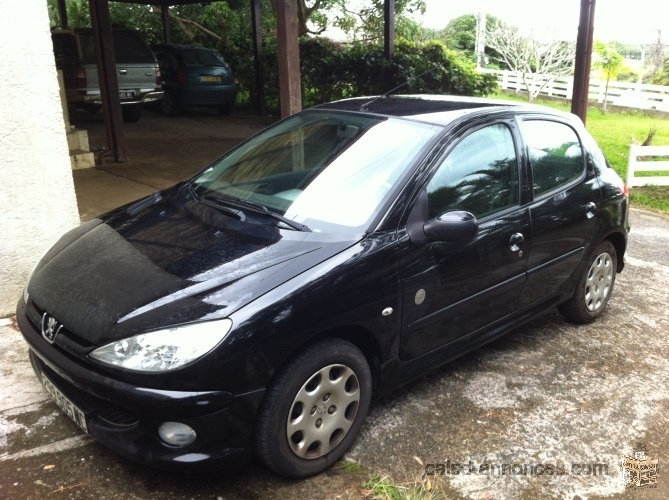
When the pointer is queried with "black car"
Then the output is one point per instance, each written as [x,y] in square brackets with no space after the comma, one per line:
[194,77]
[257,308]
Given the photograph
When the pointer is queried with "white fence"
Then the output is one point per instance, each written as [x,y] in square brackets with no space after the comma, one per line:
[634,165]
[632,95]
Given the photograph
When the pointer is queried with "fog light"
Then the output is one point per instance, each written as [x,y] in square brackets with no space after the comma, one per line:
[176,434]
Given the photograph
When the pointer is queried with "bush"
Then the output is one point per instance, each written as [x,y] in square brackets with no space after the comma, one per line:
[332,71]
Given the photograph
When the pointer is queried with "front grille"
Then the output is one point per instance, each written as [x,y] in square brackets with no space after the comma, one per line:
[66,340]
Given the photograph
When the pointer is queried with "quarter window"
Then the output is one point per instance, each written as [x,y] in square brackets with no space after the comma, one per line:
[555,154]
[479,175]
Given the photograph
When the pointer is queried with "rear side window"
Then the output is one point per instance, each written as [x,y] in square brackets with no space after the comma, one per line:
[129,48]
[555,154]
[480,175]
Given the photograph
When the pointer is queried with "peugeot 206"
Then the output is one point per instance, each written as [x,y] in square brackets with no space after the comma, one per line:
[257,308]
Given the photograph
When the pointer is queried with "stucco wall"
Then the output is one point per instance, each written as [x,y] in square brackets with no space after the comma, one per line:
[37,200]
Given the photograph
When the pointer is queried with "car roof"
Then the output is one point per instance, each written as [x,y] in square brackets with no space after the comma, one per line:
[437,109]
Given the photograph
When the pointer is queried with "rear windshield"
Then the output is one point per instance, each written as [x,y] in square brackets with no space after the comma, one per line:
[64,47]
[201,57]
[128,47]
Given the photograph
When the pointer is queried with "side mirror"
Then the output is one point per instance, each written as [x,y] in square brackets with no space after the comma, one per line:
[452,226]
[456,226]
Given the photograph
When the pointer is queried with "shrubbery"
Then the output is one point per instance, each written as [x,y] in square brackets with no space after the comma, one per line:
[333,71]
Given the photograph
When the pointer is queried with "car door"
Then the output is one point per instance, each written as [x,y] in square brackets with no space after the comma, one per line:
[450,289]
[564,209]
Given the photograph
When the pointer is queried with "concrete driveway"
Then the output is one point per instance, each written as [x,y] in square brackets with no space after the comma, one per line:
[548,396]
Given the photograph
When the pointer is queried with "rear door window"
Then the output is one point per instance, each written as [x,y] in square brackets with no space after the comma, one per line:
[555,154]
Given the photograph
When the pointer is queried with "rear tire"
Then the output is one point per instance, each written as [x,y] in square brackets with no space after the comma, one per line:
[594,287]
[131,112]
[169,104]
[314,409]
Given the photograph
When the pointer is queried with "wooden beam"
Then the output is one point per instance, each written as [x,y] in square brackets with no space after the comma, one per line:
[257,57]
[167,30]
[106,62]
[289,58]
[586,24]
[389,28]
[62,13]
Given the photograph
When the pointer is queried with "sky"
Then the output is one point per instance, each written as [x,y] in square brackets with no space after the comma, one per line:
[627,21]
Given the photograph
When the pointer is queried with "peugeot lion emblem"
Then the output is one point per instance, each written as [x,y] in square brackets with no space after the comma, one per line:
[50,328]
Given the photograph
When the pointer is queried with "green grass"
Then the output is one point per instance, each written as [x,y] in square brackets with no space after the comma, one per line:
[614,132]
[383,488]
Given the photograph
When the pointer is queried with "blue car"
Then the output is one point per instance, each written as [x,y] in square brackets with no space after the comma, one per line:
[195,77]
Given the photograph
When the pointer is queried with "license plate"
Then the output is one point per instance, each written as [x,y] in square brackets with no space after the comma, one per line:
[123,94]
[65,404]
[210,78]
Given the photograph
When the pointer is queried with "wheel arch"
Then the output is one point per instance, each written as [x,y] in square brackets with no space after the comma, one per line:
[619,242]
[359,336]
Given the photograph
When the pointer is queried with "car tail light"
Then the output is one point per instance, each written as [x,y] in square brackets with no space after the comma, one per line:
[81,78]
[623,188]
[159,77]
[181,76]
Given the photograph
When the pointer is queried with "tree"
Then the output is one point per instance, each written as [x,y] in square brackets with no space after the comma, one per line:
[610,63]
[532,58]
[460,35]
[364,22]
[662,76]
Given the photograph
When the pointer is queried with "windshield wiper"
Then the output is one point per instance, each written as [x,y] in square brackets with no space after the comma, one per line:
[216,201]
[257,208]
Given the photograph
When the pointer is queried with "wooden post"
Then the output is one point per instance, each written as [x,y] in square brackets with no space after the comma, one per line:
[389,28]
[586,24]
[62,13]
[167,30]
[257,57]
[106,62]
[289,58]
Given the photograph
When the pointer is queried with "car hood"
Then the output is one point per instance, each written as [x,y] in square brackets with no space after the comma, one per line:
[168,260]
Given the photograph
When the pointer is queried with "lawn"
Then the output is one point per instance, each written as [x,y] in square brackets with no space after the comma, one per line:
[614,132]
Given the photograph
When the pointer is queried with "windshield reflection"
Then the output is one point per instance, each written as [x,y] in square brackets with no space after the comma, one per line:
[329,171]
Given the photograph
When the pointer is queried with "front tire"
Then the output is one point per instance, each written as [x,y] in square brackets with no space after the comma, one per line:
[314,409]
[594,287]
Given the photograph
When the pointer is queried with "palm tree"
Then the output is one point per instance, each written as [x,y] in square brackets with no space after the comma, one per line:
[610,62]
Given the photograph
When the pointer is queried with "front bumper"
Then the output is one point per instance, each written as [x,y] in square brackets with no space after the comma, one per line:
[126,418]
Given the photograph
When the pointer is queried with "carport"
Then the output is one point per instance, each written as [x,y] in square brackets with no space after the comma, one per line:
[289,62]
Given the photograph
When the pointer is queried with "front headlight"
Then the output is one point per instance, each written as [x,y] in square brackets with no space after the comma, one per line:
[164,350]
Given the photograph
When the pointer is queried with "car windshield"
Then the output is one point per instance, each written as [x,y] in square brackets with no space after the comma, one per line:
[328,171]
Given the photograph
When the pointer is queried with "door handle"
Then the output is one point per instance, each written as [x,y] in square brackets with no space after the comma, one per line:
[122,71]
[516,240]
[590,210]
